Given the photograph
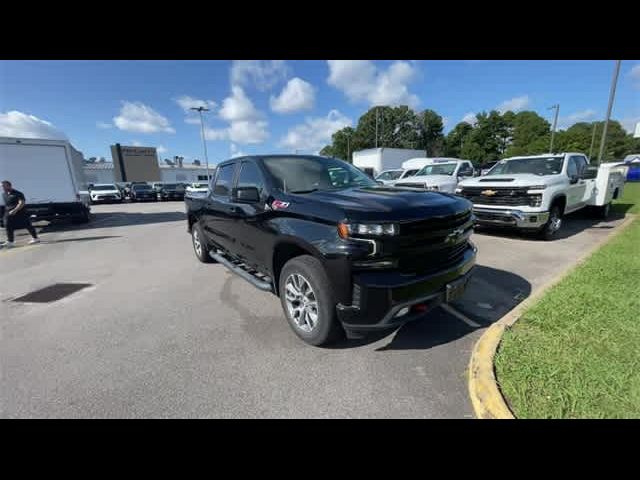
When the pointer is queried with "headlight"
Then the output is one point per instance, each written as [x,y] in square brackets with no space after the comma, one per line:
[537,187]
[373,229]
[459,190]
[434,188]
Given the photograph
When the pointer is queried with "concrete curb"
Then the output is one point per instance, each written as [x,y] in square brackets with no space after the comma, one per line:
[486,398]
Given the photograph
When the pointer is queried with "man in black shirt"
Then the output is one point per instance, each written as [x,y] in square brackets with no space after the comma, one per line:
[15,215]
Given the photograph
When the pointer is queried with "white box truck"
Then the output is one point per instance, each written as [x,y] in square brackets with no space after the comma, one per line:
[50,174]
[374,160]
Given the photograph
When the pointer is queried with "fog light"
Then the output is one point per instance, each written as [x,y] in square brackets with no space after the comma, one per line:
[533,219]
[402,312]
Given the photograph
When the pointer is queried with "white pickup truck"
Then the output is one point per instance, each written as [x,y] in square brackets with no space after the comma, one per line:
[440,174]
[535,192]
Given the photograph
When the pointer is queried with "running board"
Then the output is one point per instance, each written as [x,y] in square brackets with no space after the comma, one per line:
[243,271]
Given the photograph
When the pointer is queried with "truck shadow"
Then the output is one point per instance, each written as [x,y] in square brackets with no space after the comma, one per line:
[573,224]
[114,219]
[491,294]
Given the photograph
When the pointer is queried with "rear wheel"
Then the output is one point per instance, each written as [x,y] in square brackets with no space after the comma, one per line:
[307,301]
[551,228]
[603,211]
[83,217]
[200,246]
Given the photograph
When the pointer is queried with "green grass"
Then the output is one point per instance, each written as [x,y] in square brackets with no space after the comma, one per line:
[576,353]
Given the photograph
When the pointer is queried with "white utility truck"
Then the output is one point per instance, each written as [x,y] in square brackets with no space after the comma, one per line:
[440,174]
[50,174]
[535,192]
[389,177]
[374,161]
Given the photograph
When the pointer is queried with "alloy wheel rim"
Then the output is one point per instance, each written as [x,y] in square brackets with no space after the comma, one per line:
[555,223]
[302,303]
[197,245]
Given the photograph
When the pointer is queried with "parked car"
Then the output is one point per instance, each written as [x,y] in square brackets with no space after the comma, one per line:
[197,189]
[535,192]
[343,253]
[171,191]
[374,161]
[142,192]
[442,174]
[105,193]
[388,177]
[125,189]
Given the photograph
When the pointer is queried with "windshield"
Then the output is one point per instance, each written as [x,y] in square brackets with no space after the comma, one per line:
[171,186]
[141,187]
[104,187]
[389,175]
[535,166]
[439,169]
[307,174]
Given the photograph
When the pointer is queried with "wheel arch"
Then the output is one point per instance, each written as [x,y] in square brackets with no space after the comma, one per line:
[284,251]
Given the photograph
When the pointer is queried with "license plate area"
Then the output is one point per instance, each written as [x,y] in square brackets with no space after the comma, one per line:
[455,289]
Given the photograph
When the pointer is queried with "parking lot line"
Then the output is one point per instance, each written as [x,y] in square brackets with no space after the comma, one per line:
[449,309]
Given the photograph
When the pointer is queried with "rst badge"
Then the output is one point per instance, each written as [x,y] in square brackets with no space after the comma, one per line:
[279,205]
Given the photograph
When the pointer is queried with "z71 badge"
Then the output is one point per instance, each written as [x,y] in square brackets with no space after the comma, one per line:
[279,205]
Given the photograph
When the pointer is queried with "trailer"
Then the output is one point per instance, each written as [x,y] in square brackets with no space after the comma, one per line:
[374,160]
[50,174]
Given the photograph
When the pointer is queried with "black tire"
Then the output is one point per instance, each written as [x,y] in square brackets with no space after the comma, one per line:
[200,246]
[327,328]
[603,211]
[84,217]
[550,229]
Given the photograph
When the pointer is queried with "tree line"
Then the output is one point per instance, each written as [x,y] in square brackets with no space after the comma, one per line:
[493,136]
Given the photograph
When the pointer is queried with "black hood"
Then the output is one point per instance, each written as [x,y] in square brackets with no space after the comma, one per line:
[385,203]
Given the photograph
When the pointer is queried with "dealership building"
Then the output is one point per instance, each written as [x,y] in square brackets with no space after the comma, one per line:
[141,164]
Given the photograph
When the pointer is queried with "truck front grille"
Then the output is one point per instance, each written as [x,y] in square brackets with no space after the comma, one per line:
[504,196]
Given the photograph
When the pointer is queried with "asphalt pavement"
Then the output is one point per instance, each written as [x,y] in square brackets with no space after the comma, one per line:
[158,334]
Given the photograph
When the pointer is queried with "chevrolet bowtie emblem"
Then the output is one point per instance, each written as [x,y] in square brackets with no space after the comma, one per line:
[488,193]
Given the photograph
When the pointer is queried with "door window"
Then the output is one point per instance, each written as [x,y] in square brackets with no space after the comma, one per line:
[572,168]
[224,179]
[250,176]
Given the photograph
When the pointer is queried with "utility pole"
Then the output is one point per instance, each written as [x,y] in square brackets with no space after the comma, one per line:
[593,139]
[377,110]
[612,96]
[204,142]
[555,124]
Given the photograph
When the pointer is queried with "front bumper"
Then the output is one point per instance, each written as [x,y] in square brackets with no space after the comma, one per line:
[510,218]
[379,298]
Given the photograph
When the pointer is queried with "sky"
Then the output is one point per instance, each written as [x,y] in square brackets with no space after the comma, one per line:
[275,106]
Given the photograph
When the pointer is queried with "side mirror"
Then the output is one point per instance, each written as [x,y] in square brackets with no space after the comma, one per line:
[246,195]
[465,173]
[589,173]
[379,182]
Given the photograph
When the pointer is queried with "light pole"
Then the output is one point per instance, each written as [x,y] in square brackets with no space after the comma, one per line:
[612,96]
[377,110]
[555,124]
[593,139]
[204,142]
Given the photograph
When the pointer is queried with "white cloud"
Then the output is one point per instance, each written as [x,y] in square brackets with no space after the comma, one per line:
[295,96]
[104,125]
[629,123]
[246,122]
[161,149]
[192,119]
[262,74]
[470,118]
[23,125]
[363,81]
[187,103]
[136,143]
[514,104]
[236,152]
[445,121]
[140,118]
[635,74]
[238,106]
[314,133]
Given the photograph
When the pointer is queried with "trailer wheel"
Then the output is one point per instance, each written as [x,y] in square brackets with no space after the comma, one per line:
[307,301]
[84,217]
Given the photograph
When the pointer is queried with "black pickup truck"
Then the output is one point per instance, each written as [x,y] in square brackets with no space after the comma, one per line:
[343,253]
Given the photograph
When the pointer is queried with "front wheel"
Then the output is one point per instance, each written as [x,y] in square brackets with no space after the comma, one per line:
[551,228]
[307,301]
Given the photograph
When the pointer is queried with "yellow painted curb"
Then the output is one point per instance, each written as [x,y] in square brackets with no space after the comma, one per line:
[486,398]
